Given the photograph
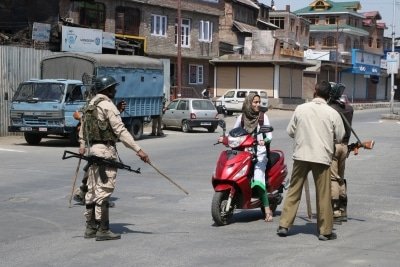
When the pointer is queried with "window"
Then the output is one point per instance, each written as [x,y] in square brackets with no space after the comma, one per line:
[195,74]
[370,40]
[203,105]
[320,5]
[292,24]
[158,25]
[205,31]
[329,41]
[92,15]
[331,20]
[314,20]
[229,94]
[127,20]
[183,105]
[278,21]
[356,44]
[378,43]
[311,42]
[185,32]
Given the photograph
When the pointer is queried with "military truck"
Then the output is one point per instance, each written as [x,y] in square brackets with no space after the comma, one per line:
[141,85]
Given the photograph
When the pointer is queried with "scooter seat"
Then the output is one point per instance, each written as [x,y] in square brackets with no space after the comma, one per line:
[273,158]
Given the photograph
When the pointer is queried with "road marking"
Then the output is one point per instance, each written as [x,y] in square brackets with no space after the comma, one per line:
[12,150]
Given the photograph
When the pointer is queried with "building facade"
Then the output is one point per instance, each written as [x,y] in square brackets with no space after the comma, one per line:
[258,52]
[339,35]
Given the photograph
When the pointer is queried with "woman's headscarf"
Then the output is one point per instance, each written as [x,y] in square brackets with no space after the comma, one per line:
[249,116]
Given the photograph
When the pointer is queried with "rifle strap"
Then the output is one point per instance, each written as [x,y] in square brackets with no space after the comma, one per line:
[349,125]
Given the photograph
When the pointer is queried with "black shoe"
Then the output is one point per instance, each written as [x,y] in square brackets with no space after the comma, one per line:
[152,134]
[332,236]
[79,200]
[343,218]
[160,134]
[282,231]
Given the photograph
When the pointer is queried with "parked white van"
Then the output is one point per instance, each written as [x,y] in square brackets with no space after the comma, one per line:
[233,99]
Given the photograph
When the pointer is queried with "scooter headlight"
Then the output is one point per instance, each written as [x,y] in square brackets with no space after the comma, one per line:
[234,142]
[240,173]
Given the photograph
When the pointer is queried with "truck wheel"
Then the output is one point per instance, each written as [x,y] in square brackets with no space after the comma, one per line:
[136,129]
[32,139]
[186,127]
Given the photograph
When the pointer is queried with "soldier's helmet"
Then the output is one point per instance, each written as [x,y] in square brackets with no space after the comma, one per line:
[103,82]
[336,90]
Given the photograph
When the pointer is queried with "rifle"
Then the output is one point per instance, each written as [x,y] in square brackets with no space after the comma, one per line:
[99,161]
[357,145]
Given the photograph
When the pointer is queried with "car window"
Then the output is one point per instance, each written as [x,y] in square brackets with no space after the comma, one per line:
[172,105]
[241,94]
[230,94]
[182,105]
[202,105]
[74,93]
[263,94]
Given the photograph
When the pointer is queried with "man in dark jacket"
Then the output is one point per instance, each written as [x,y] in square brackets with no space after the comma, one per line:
[338,183]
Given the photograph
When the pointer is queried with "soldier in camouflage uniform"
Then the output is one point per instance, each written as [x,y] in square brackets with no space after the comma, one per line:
[101,127]
[80,192]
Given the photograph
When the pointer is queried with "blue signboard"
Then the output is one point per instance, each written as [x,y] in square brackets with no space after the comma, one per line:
[365,63]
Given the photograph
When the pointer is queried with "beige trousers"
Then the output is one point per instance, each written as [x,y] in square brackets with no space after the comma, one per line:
[321,174]
[99,190]
[337,171]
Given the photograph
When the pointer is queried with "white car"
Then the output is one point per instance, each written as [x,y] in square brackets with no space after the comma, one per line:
[233,99]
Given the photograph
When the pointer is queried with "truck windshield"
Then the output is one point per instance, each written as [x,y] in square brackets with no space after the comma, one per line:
[39,92]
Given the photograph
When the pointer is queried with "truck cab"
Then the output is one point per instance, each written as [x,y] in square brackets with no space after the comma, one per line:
[43,108]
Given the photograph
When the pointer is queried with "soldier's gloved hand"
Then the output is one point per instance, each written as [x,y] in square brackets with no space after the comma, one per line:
[143,156]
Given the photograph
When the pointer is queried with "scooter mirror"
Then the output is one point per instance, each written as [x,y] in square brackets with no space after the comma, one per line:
[266,129]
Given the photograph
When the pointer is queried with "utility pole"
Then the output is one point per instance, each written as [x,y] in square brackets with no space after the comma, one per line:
[179,54]
[392,74]
[337,50]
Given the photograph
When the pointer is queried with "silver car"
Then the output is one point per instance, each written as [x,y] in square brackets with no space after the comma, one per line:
[188,113]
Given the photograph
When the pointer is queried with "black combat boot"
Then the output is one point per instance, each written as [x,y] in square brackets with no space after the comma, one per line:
[91,226]
[103,232]
[336,212]
[343,208]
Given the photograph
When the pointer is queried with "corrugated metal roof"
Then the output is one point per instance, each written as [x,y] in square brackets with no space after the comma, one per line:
[243,27]
[248,3]
[271,25]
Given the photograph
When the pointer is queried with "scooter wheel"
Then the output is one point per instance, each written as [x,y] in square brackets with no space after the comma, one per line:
[218,209]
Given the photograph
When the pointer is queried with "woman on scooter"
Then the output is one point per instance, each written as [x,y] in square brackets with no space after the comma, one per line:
[250,120]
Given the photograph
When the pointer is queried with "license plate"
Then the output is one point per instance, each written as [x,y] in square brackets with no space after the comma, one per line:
[205,123]
[25,129]
[42,129]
